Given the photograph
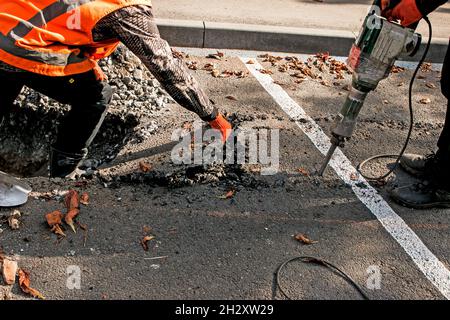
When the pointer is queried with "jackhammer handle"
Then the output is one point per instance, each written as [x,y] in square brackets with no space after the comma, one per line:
[391,5]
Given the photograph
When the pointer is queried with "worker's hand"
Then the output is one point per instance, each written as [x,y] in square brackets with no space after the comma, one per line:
[404,10]
[221,124]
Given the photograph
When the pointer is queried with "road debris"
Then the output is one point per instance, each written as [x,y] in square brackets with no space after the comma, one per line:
[24,283]
[54,218]
[84,199]
[68,218]
[230,194]
[425,101]
[145,240]
[72,200]
[9,271]
[304,172]
[14,220]
[218,55]
[232,98]
[304,239]
[145,167]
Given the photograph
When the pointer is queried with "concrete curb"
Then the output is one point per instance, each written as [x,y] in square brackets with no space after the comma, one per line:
[202,34]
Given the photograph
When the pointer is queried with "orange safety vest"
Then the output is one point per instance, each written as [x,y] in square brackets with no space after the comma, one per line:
[54,37]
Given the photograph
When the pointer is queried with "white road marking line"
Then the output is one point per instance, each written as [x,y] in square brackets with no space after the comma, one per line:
[426,261]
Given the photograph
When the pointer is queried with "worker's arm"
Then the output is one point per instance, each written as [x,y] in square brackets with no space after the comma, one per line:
[409,11]
[135,27]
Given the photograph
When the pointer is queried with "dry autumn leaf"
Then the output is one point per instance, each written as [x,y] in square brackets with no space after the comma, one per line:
[425,101]
[9,271]
[13,220]
[145,240]
[215,73]
[218,55]
[209,67]
[56,229]
[54,218]
[24,283]
[431,85]
[354,177]
[231,98]
[70,216]
[230,194]
[72,200]
[265,71]
[145,167]
[84,199]
[250,62]
[303,172]
[303,239]
[192,65]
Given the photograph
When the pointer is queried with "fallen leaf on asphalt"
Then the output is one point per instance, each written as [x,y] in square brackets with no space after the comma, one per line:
[215,73]
[13,220]
[145,167]
[303,239]
[24,283]
[431,85]
[146,229]
[250,62]
[231,98]
[354,177]
[283,68]
[177,54]
[84,198]
[70,216]
[265,71]
[228,195]
[426,67]
[54,218]
[241,74]
[209,67]
[425,101]
[227,74]
[72,200]
[56,229]
[145,240]
[397,69]
[192,65]
[9,271]
[218,55]
[303,172]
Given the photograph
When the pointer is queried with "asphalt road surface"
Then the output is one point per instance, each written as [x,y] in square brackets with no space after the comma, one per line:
[208,247]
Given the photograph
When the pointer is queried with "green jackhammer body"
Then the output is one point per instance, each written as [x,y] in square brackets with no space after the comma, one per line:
[374,53]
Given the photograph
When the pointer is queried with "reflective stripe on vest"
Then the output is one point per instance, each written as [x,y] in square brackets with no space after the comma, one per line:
[7,43]
[54,37]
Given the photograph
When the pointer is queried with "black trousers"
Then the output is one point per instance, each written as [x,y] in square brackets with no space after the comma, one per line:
[444,140]
[89,99]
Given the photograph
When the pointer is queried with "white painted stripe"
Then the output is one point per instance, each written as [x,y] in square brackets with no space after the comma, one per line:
[426,261]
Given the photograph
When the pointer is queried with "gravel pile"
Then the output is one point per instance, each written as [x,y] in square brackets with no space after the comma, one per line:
[29,129]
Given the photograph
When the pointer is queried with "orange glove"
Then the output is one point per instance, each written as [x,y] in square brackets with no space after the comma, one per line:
[221,124]
[404,10]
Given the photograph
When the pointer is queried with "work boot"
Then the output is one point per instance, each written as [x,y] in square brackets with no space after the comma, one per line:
[416,165]
[65,165]
[421,196]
